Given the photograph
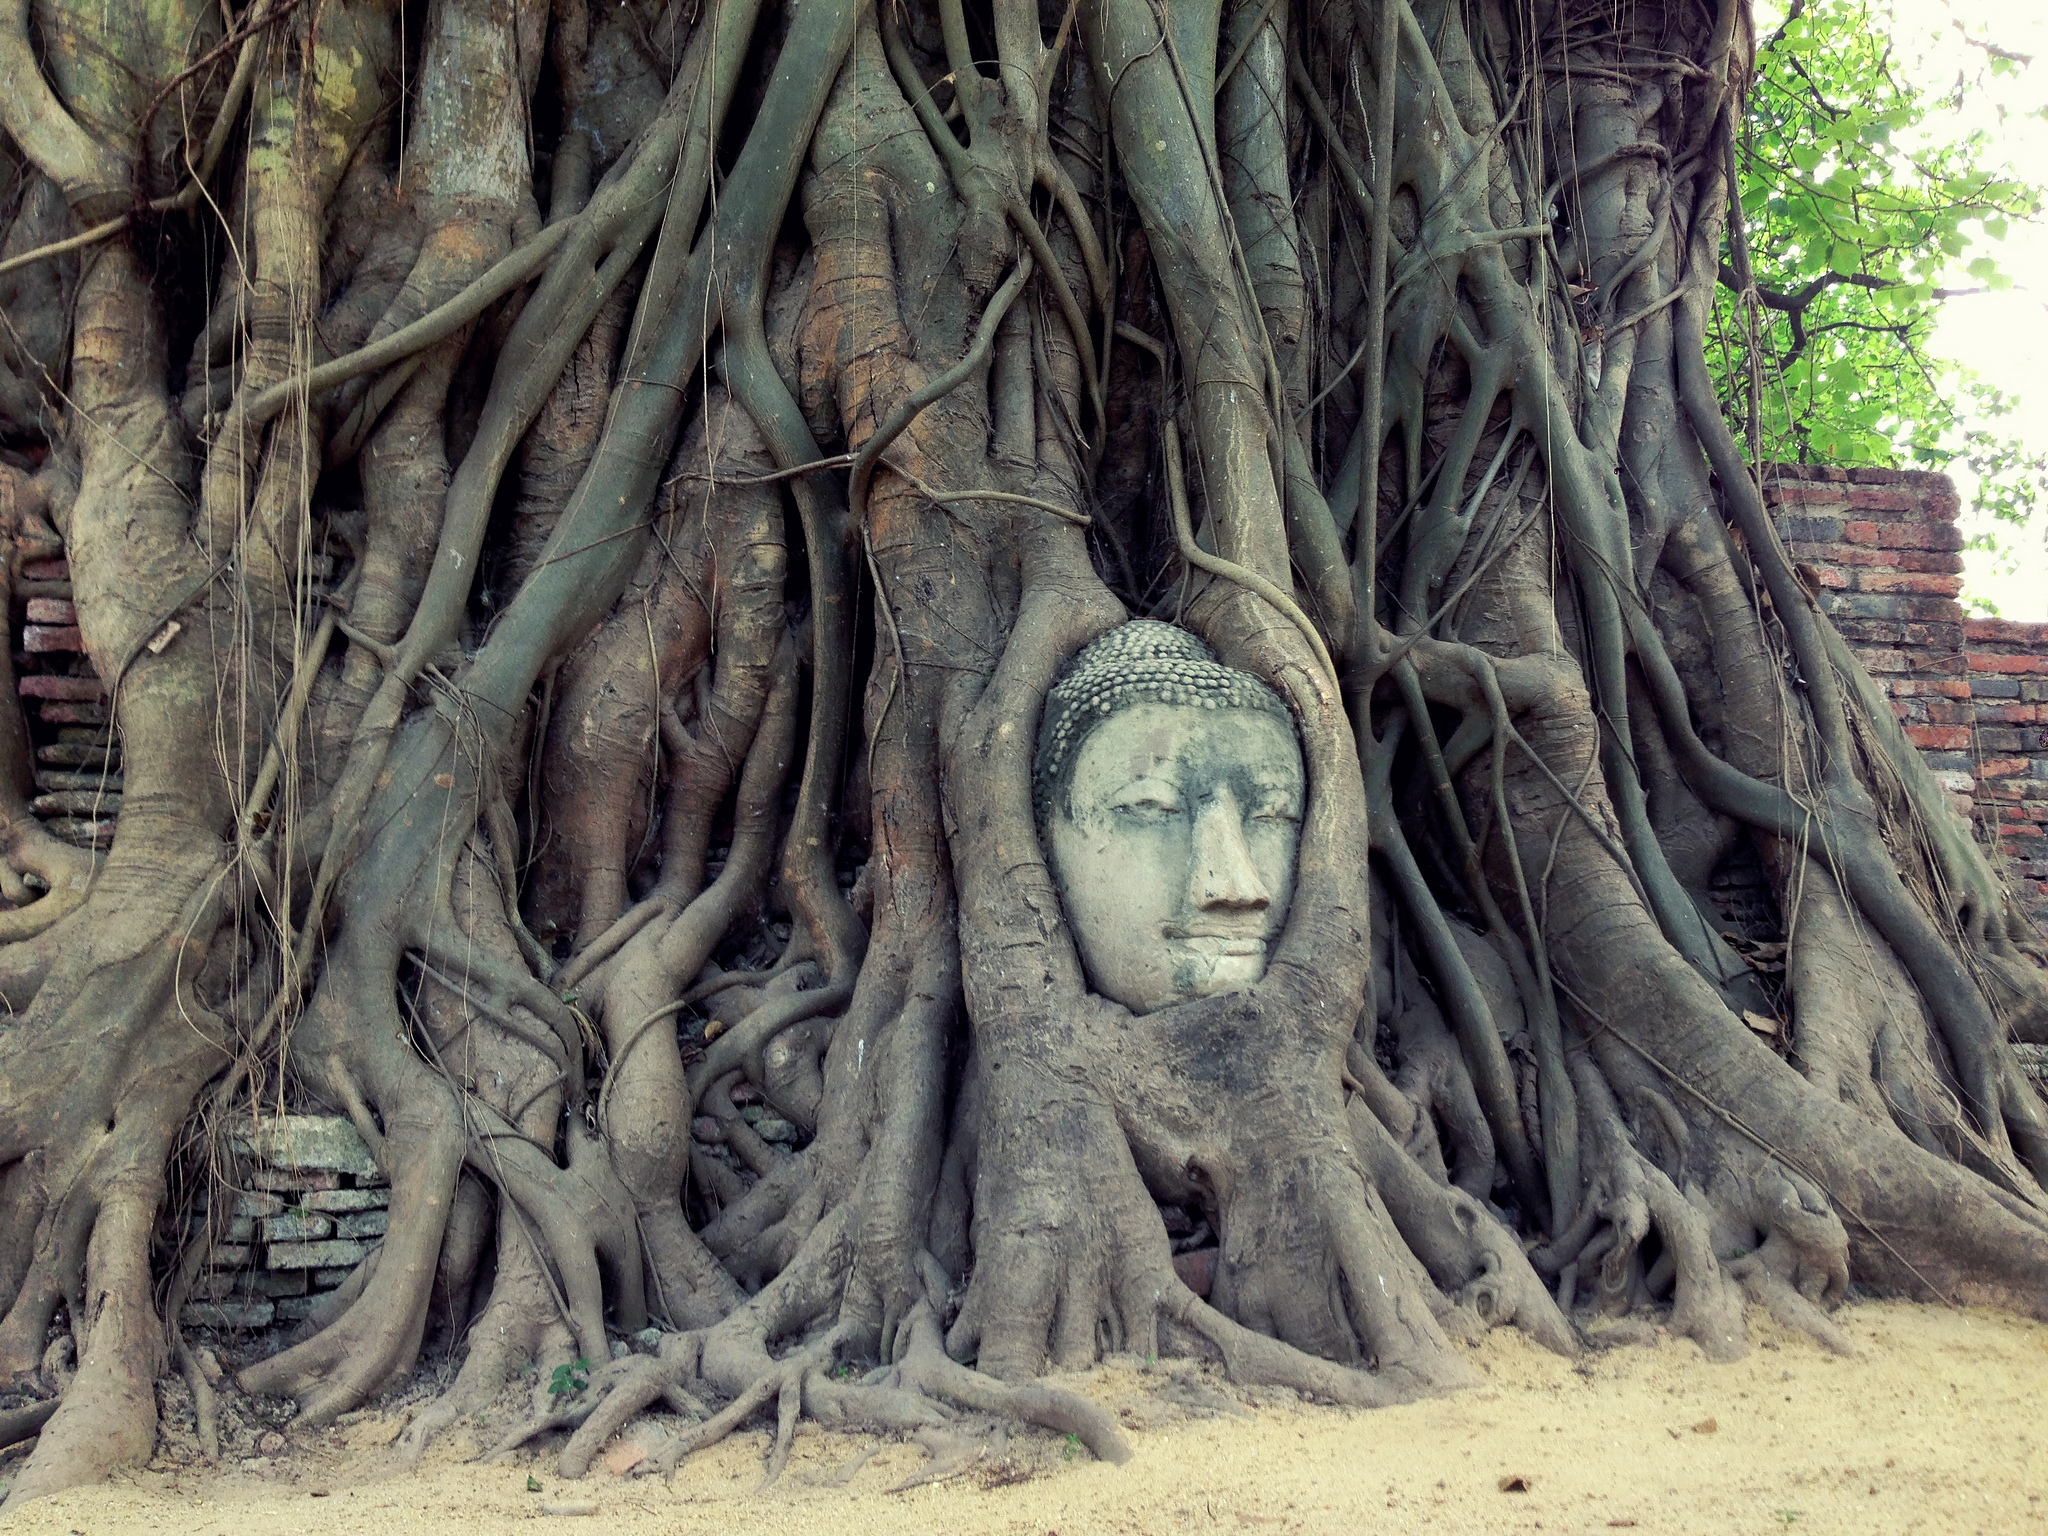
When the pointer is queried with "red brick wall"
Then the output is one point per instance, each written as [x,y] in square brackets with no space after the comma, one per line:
[2008,669]
[1883,547]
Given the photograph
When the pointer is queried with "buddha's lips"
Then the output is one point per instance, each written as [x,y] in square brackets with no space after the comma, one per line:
[1218,944]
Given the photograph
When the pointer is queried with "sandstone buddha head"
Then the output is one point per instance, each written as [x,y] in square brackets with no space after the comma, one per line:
[1169,790]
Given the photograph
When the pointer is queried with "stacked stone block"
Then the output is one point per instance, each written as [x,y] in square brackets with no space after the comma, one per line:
[315,1206]
[78,767]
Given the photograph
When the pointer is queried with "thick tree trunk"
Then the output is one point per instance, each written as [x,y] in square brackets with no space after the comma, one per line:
[579,527]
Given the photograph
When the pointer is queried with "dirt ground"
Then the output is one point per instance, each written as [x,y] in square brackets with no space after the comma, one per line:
[1937,1427]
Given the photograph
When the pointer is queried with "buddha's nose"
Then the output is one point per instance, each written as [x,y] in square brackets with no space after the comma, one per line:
[1223,877]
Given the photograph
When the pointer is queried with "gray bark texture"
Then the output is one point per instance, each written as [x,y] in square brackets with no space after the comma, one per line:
[578,507]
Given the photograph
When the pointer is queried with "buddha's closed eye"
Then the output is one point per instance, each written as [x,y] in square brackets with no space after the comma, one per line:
[1148,799]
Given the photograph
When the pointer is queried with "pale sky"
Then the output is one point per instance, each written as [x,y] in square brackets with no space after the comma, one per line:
[2003,337]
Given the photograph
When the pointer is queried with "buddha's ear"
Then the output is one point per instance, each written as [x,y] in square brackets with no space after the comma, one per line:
[991,825]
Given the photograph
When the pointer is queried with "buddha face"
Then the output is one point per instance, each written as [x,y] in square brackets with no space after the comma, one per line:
[1174,849]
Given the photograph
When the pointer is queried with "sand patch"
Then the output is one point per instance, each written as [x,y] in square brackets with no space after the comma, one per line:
[1937,1427]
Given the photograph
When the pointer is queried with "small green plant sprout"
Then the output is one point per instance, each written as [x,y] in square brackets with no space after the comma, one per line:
[569,1379]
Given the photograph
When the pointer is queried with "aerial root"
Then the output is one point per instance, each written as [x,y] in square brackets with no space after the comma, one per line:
[520,1323]
[205,1405]
[1802,1265]
[1764,1286]
[1250,1357]
[919,1391]
[924,1367]
[26,1422]
[950,1453]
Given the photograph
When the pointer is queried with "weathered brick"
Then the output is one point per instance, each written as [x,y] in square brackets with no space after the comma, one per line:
[1945,537]
[1850,556]
[1775,474]
[297,1229]
[2008,714]
[229,1314]
[334,1253]
[346,1199]
[1937,560]
[1861,605]
[67,712]
[308,1141]
[52,610]
[2014,631]
[51,639]
[1889,499]
[245,1285]
[1945,637]
[1811,529]
[296,1180]
[35,687]
[363,1224]
[1858,531]
[1926,582]
[2010,664]
[1797,494]
[79,802]
[1938,737]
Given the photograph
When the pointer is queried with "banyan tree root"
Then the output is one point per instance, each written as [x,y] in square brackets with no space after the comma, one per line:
[577,600]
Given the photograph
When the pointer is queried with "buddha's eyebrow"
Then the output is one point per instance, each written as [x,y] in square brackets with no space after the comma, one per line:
[1148,776]
[1273,786]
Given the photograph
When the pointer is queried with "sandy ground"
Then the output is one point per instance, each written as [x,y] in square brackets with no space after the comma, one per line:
[1937,1427]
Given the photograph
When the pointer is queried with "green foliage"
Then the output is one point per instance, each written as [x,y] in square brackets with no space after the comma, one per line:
[569,1379]
[1865,209]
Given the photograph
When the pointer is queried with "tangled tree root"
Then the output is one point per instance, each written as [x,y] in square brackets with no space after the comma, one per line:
[577,671]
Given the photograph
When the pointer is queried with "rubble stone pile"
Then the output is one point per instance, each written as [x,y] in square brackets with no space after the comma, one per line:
[315,1206]
[78,764]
